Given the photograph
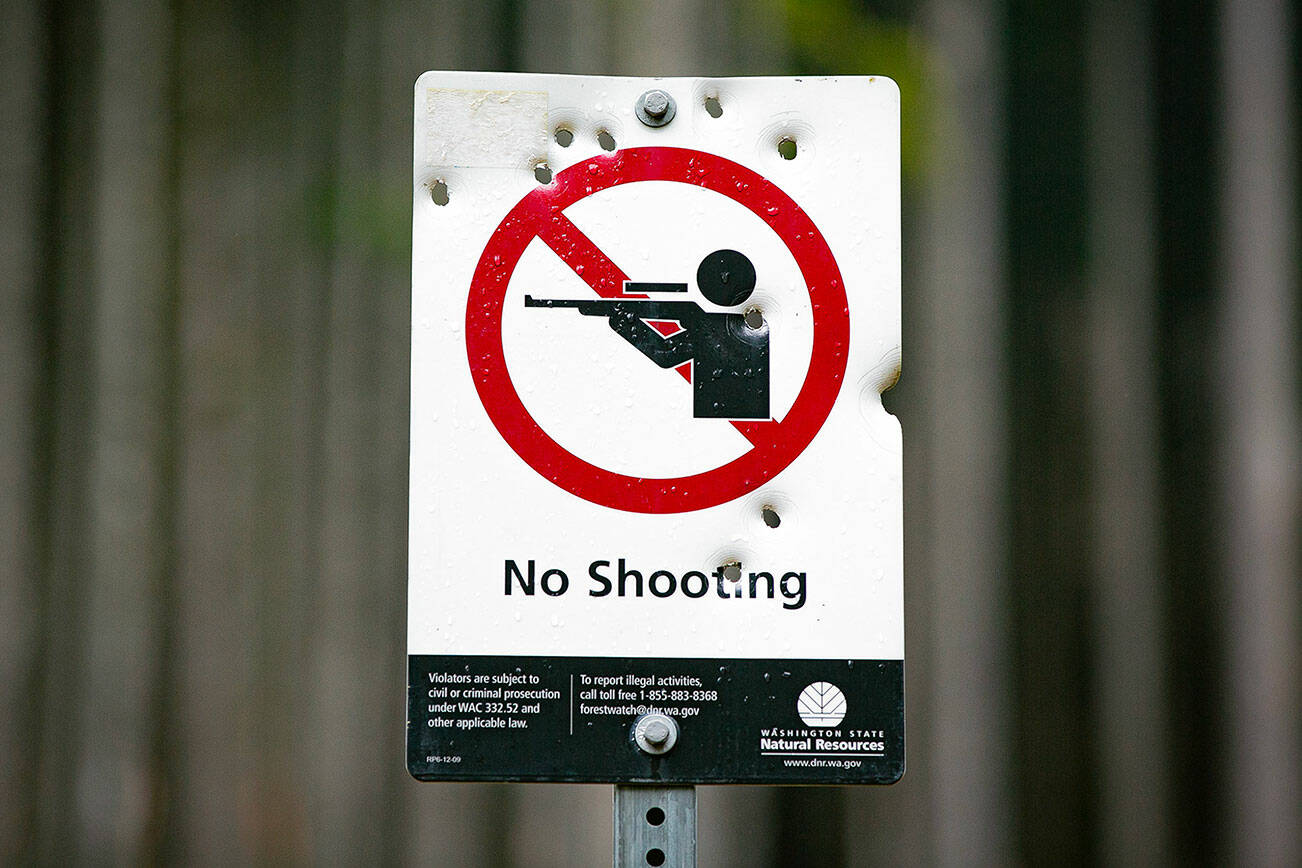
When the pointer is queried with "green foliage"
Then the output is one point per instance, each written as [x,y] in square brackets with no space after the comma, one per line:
[842,37]
[371,220]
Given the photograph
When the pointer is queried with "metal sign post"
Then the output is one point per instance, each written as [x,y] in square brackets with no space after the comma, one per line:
[655,826]
[656,520]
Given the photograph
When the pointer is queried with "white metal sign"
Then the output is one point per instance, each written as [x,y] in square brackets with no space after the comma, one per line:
[652,483]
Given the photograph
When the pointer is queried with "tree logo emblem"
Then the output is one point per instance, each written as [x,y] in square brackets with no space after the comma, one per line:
[821,704]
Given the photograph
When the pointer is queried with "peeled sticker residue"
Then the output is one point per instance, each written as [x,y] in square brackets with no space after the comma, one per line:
[499,129]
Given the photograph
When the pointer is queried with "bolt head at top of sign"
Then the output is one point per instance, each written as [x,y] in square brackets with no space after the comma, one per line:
[654,312]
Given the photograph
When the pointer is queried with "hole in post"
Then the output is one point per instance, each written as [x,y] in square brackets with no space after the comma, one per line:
[787,149]
[606,140]
[655,816]
[542,174]
[564,137]
[770,516]
[712,107]
[655,856]
[754,318]
[732,571]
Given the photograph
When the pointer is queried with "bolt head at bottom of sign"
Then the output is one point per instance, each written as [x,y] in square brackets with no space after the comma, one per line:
[655,733]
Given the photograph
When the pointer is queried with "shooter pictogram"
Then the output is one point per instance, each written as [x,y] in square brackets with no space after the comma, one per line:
[730,359]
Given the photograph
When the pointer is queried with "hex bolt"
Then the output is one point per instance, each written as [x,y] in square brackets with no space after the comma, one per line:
[655,733]
[655,108]
[656,103]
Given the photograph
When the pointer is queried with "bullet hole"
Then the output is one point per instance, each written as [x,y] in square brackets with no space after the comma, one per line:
[655,816]
[606,140]
[712,107]
[439,193]
[564,137]
[770,516]
[754,318]
[787,149]
[732,571]
[542,174]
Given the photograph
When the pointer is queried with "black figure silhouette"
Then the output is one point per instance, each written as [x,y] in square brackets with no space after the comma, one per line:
[730,359]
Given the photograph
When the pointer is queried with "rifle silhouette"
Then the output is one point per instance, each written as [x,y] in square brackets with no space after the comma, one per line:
[629,307]
[730,360]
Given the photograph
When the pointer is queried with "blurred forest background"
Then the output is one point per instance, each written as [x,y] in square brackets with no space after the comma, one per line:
[205,266]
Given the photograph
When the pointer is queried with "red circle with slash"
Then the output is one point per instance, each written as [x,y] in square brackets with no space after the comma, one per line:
[774,444]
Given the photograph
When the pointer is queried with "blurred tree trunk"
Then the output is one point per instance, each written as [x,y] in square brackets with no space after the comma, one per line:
[1188,237]
[1050,429]
[1129,674]
[361,624]
[63,317]
[123,775]
[1258,456]
[295,138]
[24,63]
[962,729]
[221,98]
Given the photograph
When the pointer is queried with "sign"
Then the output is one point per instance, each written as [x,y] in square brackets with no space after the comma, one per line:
[773,444]
[656,503]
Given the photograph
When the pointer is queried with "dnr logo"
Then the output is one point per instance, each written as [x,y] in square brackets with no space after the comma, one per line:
[821,704]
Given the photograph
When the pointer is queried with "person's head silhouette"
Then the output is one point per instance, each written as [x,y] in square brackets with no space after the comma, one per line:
[726,277]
